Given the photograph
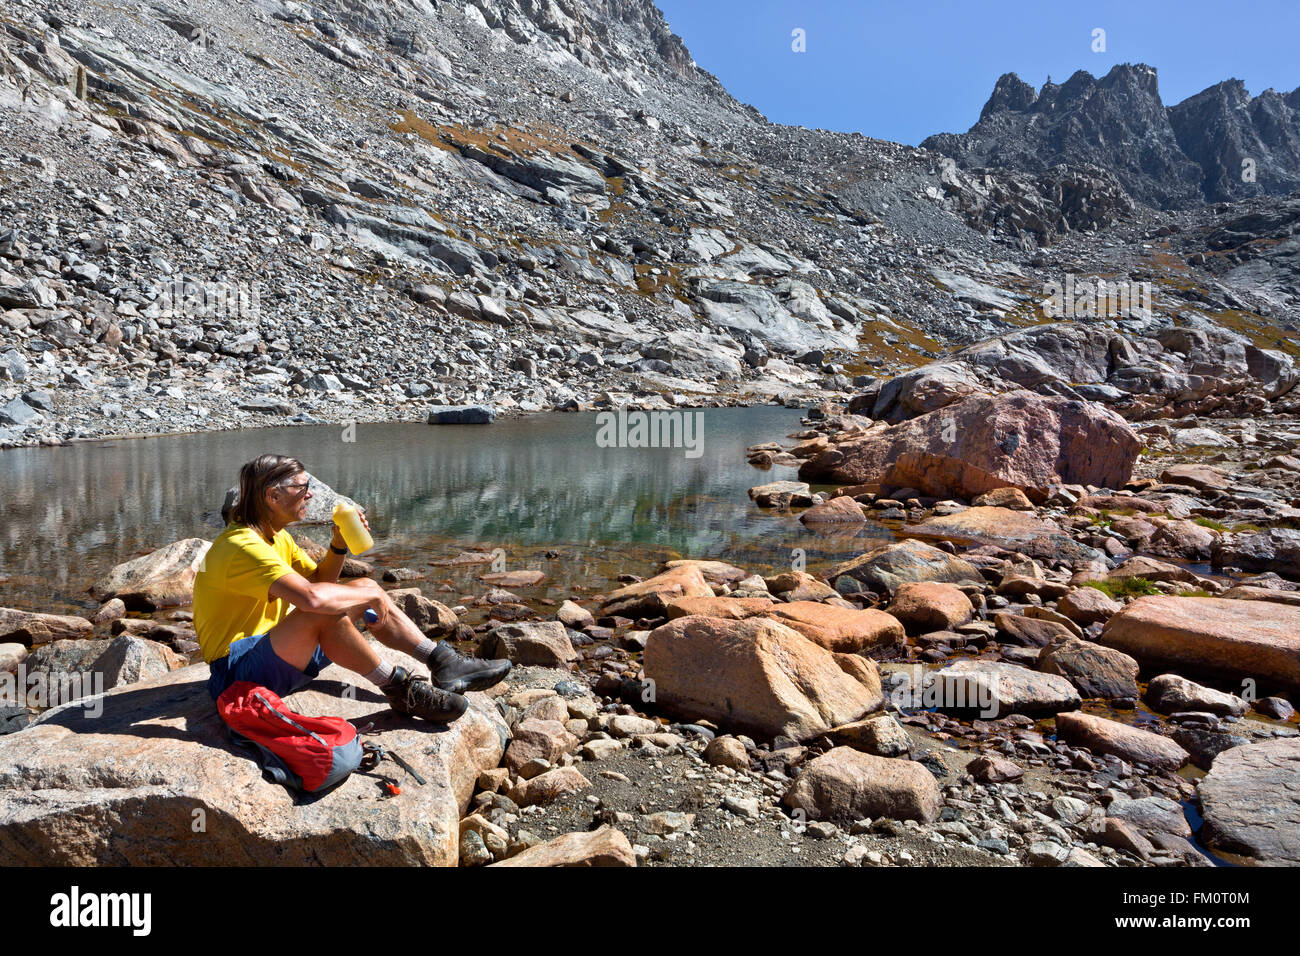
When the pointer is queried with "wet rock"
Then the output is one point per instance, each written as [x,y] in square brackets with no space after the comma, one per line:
[162,578]
[462,415]
[844,784]
[650,598]
[755,676]
[1170,693]
[1103,736]
[30,627]
[1237,639]
[782,494]
[1205,745]
[1250,800]
[1095,670]
[924,606]
[543,643]
[888,566]
[604,846]
[838,628]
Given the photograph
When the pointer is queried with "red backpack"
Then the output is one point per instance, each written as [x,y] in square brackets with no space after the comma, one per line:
[300,752]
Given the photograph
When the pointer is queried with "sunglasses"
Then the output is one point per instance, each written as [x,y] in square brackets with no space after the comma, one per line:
[296,488]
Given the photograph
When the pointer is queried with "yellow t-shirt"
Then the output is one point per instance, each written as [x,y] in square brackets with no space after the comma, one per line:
[231,598]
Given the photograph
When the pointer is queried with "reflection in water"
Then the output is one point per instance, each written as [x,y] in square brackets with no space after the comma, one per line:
[69,513]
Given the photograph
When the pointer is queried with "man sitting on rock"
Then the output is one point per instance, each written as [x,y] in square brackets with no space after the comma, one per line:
[266,613]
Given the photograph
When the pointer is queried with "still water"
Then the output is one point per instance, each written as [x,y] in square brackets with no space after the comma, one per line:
[539,487]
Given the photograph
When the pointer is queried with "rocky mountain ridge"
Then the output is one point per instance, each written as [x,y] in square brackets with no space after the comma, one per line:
[226,214]
[1219,145]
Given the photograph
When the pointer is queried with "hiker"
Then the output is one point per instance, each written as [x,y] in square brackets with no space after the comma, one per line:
[266,613]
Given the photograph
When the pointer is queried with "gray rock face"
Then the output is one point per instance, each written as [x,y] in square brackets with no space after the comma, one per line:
[1225,131]
[1179,155]
[1167,371]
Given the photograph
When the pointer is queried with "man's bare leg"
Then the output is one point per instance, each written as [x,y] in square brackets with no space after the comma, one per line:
[296,638]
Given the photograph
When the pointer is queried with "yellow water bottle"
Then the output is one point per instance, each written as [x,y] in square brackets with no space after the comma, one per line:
[355,535]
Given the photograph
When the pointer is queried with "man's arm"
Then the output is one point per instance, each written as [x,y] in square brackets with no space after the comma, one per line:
[329,566]
[323,597]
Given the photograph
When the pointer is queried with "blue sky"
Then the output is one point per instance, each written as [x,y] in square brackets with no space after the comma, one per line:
[904,70]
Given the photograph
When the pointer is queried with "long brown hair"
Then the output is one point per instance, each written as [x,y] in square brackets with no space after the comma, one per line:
[265,471]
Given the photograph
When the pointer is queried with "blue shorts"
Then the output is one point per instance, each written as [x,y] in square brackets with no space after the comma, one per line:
[253,659]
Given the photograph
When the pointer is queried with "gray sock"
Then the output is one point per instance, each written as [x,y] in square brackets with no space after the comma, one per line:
[423,650]
[381,675]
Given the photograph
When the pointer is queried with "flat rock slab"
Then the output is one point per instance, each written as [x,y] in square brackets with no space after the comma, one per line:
[1259,640]
[1250,800]
[131,786]
[1017,530]
[842,629]
[651,597]
[996,690]
[1103,736]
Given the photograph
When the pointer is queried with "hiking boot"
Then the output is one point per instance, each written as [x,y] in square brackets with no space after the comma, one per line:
[413,694]
[460,675]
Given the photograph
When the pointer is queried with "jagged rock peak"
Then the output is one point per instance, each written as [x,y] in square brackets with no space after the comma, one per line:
[1009,93]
